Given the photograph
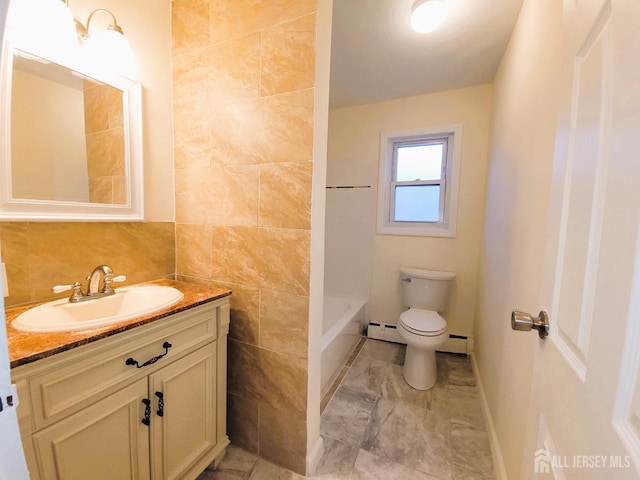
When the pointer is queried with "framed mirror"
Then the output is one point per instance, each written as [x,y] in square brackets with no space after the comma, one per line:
[72,146]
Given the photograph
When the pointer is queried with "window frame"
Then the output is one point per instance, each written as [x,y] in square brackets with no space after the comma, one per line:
[449,181]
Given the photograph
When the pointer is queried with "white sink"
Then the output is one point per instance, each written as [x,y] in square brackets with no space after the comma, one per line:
[125,304]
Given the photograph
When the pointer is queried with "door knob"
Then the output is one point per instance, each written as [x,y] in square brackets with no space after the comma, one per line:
[525,322]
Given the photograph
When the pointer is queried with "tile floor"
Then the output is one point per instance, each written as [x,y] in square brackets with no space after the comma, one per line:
[377,427]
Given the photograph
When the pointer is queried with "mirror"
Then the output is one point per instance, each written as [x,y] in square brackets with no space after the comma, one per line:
[79,155]
[72,142]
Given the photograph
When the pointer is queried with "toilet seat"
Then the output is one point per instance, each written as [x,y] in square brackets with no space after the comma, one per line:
[425,323]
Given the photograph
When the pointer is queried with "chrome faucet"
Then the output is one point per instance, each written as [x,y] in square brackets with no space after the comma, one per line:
[101,272]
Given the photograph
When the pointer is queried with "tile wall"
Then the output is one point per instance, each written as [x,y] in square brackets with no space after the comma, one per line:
[243,79]
[39,255]
[104,127]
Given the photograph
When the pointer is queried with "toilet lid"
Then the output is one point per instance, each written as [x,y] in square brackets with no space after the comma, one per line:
[423,322]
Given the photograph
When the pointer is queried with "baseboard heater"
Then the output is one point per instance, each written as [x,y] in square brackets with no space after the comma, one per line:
[389,333]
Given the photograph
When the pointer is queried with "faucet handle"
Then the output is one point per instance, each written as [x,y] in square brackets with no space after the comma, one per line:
[61,288]
[108,281]
[77,290]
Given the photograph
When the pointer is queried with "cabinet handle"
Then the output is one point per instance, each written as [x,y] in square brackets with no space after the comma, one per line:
[160,411]
[147,411]
[131,361]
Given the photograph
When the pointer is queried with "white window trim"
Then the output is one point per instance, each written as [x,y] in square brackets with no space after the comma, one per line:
[447,226]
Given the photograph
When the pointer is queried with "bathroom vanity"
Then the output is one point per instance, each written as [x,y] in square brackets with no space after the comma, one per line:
[144,399]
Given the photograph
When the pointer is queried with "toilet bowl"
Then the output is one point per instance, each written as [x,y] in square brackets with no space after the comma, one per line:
[424,331]
[425,292]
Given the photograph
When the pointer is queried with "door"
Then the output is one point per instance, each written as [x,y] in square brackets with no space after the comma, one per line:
[12,461]
[105,441]
[585,416]
[183,423]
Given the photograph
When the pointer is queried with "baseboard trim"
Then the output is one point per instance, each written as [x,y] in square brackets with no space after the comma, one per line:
[389,333]
[496,452]
[313,459]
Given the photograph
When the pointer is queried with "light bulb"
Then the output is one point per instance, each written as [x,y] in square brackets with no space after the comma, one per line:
[109,50]
[44,28]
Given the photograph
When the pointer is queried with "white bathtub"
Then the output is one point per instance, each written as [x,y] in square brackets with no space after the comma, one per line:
[342,324]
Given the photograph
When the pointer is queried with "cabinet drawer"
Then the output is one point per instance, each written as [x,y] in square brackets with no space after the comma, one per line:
[73,380]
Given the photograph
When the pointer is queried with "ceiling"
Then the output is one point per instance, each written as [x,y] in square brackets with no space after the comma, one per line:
[376,56]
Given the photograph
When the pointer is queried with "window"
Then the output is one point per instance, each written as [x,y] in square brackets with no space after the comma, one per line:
[418,189]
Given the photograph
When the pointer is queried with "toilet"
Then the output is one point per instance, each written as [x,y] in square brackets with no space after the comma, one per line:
[425,292]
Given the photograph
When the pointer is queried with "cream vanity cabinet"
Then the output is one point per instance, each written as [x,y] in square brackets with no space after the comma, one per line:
[94,413]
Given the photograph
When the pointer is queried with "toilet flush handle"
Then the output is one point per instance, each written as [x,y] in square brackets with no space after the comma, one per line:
[408,279]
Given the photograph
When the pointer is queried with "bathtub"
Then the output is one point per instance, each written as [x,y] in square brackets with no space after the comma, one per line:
[342,324]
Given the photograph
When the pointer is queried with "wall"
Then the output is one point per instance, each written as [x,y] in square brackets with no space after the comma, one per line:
[41,255]
[364,264]
[517,203]
[244,130]
[146,25]
[104,130]
[318,204]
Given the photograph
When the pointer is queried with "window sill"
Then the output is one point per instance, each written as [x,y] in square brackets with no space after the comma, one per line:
[436,230]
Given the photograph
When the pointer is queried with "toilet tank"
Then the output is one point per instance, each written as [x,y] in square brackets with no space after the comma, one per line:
[426,289]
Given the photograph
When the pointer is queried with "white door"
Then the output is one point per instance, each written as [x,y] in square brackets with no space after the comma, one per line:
[13,465]
[12,462]
[585,418]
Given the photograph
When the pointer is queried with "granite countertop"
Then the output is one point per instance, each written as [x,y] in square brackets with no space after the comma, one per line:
[26,347]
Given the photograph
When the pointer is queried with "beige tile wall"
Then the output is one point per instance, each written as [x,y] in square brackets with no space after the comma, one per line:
[243,127]
[104,127]
[40,255]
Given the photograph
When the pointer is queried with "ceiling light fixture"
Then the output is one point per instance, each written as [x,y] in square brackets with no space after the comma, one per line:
[427,15]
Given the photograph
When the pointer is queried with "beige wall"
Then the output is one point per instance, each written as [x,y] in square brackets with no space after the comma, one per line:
[318,198]
[244,129]
[517,202]
[104,130]
[40,255]
[359,262]
[147,26]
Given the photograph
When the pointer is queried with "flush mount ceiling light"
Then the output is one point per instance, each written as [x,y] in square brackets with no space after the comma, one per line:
[107,48]
[427,15]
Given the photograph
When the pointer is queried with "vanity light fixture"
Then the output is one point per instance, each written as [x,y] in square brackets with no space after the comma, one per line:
[428,15]
[47,29]
[44,28]
[107,48]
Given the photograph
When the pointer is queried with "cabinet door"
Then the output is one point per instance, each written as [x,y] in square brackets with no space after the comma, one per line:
[105,441]
[183,424]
